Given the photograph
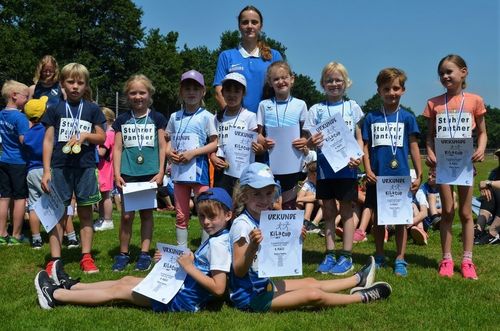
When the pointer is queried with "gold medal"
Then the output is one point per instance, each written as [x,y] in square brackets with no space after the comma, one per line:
[139,159]
[66,149]
[76,148]
[394,164]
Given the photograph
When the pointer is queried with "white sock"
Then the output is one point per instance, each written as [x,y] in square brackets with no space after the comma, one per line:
[182,237]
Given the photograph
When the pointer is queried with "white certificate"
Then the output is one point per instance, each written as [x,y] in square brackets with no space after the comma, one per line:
[238,150]
[394,200]
[167,276]
[283,157]
[181,143]
[454,161]
[339,145]
[280,252]
[139,196]
[49,208]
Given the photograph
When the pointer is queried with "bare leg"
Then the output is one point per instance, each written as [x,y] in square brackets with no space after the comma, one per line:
[401,239]
[347,217]
[18,217]
[448,212]
[329,213]
[34,223]
[465,213]
[4,211]
[56,236]
[146,229]
[86,228]
[126,230]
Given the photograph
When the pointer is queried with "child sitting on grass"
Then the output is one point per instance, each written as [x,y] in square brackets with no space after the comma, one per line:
[206,270]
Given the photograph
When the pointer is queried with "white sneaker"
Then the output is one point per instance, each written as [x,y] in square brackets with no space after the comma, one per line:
[103,225]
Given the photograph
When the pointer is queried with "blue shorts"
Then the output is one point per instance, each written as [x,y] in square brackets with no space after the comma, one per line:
[262,303]
[13,181]
[83,182]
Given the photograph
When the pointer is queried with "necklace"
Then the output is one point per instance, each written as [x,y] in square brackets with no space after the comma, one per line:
[284,113]
[448,115]
[140,137]
[177,135]
[393,164]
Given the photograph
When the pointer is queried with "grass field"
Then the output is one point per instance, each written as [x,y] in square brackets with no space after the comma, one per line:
[421,301]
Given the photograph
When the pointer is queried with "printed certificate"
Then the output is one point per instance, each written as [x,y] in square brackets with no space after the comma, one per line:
[454,161]
[394,200]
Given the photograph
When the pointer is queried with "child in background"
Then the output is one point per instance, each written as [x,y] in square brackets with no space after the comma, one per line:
[13,127]
[191,119]
[106,176]
[306,200]
[420,213]
[138,156]
[431,191]
[389,156]
[343,184]
[46,81]
[282,110]
[206,270]
[248,292]
[455,104]
[73,128]
[234,115]
[33,148]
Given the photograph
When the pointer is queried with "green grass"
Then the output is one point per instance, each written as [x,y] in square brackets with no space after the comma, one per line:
[421,301]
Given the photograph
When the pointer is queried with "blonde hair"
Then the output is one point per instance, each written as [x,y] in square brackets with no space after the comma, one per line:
[12,86]
[240,196]
[108,113]
[388,75]
[77,71]
[335,66]
[278,65]
[47,59]
[185,82]
[144,81]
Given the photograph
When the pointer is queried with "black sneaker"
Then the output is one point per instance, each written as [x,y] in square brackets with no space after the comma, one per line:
[45,288]
[37,244]
[366,275]
[73,243]
[435,222]
[311,227]
[377,291]
[61,278]
[488,239]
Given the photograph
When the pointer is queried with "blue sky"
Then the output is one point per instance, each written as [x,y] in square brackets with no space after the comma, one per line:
[364,35]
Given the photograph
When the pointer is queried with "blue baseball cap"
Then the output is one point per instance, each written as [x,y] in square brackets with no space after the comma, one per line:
[216,194]
[257,175]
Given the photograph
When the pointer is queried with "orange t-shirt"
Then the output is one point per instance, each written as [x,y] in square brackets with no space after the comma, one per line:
[461,125]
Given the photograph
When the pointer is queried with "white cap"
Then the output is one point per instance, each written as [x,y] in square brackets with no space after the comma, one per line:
[236,76]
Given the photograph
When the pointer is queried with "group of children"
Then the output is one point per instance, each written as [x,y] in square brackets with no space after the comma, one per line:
[74,138]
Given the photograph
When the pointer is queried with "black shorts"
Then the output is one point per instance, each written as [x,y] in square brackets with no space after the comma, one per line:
[288,181]
[341,189]
[13,181]
[371,196]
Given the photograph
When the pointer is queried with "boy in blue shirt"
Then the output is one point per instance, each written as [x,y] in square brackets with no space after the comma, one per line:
[13,126]
[73,130]
[389,136]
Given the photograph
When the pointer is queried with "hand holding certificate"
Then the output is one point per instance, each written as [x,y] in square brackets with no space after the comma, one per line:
[339,145]
[181,143]
[166,277]
[280,252]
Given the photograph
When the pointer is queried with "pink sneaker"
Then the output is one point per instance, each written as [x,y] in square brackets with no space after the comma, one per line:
[446,268]
[468,270]
[359,236]
[418,235]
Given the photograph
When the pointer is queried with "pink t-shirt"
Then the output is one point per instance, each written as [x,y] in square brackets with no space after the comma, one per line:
[461,125]
[105,165]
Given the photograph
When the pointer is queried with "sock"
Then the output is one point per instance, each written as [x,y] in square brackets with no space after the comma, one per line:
[330,252]
[125,254]
[467,257]
[71,235]
[182,237]
[204,236]
[346,254]
[36,237]
[358,278]
[447,256]
[108,221]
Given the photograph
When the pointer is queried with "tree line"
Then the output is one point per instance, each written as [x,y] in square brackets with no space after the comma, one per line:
[107,36]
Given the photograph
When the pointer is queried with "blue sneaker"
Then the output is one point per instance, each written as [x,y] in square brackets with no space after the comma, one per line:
[379,261]
[400,268]
[343,266]
[144,262]
[121,262]
[327,264]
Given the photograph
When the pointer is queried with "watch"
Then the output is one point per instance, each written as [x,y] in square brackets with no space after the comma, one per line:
[488,183]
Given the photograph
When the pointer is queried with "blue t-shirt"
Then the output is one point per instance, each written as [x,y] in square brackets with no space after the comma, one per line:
[253,68]
[33,146]
[54,93]
[213,254]
[146,136]
[375,131]
[13,124]
[62,120]
[242,290]
[200,123]
[320,112]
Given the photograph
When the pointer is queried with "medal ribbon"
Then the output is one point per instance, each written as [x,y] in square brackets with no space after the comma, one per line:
[75,126]
[140,138]
[185,128]
[448,116]
[394,142]
[284,113]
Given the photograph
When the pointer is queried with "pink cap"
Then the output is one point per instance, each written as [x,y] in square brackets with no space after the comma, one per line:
[194,75]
